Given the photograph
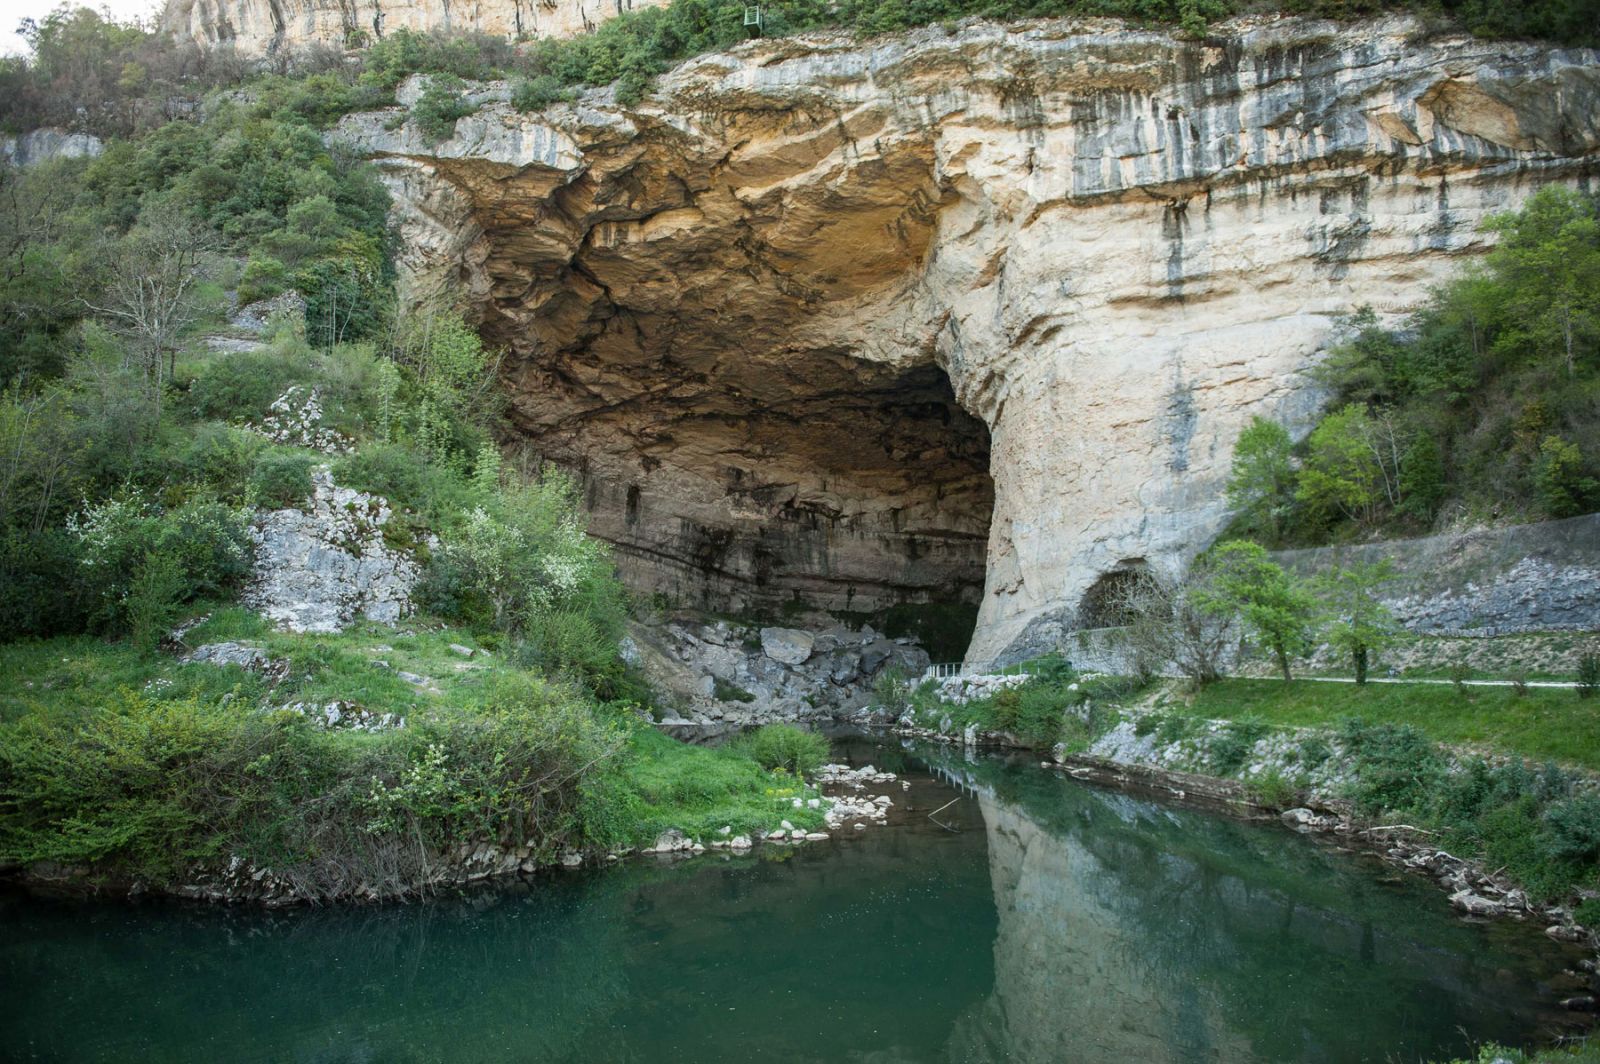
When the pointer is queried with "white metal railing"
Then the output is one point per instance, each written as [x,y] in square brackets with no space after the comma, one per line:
[951,669]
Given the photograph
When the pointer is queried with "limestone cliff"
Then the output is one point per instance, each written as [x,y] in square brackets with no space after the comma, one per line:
[897,320]
[256,27]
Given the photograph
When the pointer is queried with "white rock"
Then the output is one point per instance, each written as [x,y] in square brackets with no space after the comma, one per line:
[788,646]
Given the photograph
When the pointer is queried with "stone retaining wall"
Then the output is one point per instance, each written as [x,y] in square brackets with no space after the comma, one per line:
[1489,581]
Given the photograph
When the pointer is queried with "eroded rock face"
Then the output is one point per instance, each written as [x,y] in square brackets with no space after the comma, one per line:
[255,27]
[789,315]
[46,145]
[319,568]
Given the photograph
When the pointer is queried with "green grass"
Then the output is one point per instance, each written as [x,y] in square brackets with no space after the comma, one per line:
[70,673]
[1544,724]
[703,789]
[1584,1053]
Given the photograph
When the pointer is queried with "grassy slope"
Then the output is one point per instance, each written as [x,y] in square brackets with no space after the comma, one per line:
[1542,725]
[668,783]
[1577,1054]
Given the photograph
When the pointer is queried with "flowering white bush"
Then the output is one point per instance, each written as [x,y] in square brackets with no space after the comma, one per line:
[208,543]
[524,555]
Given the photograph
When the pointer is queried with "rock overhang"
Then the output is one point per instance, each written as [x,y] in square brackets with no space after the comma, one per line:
[1116,245]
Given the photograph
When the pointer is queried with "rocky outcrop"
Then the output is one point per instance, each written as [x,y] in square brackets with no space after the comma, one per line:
[257,27]
[718,672]
[871,322]
[46,145]
[319,568]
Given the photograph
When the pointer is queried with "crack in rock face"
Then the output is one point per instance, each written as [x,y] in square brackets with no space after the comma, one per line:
[970,316]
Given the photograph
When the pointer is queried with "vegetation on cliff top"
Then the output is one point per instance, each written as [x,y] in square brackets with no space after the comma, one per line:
[86,72]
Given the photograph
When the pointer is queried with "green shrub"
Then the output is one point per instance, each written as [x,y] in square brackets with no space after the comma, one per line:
[145,787]
[348,298]
[568,642]
[727,691]
[439,106]
[282,479]
[209,543]
[892,689]
[152,603]
[263,278]
[242,386]
[1273,790]
[41,589]
[523,564]
[1315,751]
[537,93]
[1033,711]
[1078,728]
[1574,828]
[1588,675]
[1174,727]
[1051,668]
[1147,724]
[1231,748]
[1587,913]
[775,746]
[219,458]
[404,477]
[402,52]
[1396,768]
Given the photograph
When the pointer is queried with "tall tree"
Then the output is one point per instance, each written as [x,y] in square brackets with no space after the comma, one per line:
[151,294]
[1358,622]
[1261,481]
[1342,472]
[1271,602]
[1548,263]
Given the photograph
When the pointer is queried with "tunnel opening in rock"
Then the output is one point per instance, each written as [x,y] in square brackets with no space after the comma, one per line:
[866,498]
[829,486]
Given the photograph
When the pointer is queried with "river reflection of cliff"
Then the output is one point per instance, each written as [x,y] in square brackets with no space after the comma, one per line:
[1129,931]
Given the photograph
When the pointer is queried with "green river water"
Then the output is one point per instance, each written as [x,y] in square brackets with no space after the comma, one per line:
[1045,921]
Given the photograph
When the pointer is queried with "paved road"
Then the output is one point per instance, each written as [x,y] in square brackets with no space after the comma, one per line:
[1466,683]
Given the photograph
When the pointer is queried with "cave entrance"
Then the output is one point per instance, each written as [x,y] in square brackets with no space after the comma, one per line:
[1105,604]
[824,485]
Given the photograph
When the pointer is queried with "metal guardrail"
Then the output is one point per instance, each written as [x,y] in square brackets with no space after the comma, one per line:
[951,669]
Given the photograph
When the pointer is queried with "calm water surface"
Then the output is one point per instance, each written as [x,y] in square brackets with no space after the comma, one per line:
[1047,921]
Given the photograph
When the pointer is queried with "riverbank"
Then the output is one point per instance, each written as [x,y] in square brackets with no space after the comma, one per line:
[371,764]
[1504,834]
[1005,914]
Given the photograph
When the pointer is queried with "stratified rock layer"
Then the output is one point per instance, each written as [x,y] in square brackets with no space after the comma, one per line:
[255,27]
[733,308]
